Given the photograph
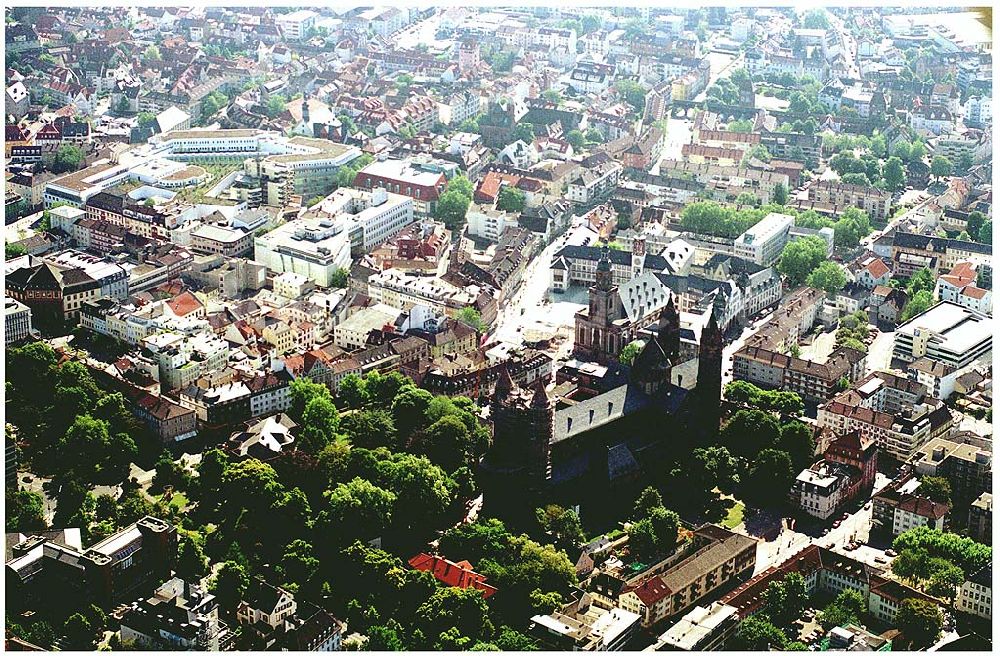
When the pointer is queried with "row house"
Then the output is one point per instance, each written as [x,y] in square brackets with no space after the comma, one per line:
[810,380]
[829,572]
[874,202]
[714,559]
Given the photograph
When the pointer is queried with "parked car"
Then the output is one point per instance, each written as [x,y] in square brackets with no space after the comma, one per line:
[845,515]
[836,524]
[890,553]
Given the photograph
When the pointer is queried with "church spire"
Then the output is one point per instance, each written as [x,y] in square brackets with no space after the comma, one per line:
[504,384]
[541,397]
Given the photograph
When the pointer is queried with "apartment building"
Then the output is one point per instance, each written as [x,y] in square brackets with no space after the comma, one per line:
[899,507]
[980,526]
[968,465]
[400,290]
[314,248]
[594,182]
[873,408]
[976,595]
[828,572]
[209,239]
[811,380]
[911,252]
[179,616]
[377,214]
[874,202]
[714,558]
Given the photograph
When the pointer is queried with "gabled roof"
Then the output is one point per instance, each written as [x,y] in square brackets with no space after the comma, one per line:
[457,575]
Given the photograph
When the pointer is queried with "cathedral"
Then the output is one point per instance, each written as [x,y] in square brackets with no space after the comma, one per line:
[579,448]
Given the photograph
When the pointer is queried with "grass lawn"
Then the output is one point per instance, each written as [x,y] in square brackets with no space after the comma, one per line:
[179,500]
[735,516]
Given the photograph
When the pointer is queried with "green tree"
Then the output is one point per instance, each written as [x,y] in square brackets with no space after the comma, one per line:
[893,174]
[642,540]
[633,93]
[151,54]
[470,315]
[936,488]
[757,633]
[797,441]
[975,223]
[770,478]
[921,281]
[747,432]
[576,139]
[941,167]
[25,511]
[455,608]
[67,158]
[370,428]
[780,195]
[143,119]
[320,421]
[647,501]
[79,633]
[631,350]
[452,207]
[665,525]
[338,278]
[561,523]
[301,391]
[850,228]
[275,105]
[742,393]
[847,608]
[828,276]
[799,258]
[230,584]
[986,232]
[920,621]
[740,125]
[360,505]
[510,199]
[919,303]
[552,95]
[192,564]
[523,132]
[784,601]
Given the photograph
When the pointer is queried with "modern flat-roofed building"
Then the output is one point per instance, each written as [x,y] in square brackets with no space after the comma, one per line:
[295,25]
[946,332]
[314,248]
[16,320]
[703,628]
[379,214]
[762,243]
[582,625]
[213,239]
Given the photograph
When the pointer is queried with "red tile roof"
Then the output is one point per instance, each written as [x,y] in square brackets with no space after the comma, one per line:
[457,575]
[652,590]
[184,304]
[877,268]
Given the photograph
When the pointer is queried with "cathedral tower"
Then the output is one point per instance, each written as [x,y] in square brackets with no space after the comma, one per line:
[709,391]
[523,427]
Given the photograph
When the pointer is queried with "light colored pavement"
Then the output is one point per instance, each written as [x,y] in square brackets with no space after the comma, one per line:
[530,310]
[855,527]
[820,348]
[880,353]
